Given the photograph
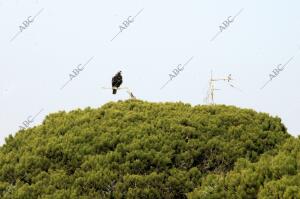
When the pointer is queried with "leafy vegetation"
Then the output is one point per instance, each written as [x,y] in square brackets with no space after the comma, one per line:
[136,149]
[275,175]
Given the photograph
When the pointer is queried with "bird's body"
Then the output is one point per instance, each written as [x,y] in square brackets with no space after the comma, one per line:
[116,82]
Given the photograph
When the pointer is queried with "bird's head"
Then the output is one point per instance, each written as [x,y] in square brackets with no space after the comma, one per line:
[120,72]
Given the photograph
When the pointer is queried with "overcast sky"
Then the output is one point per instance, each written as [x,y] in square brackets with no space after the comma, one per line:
[37,59]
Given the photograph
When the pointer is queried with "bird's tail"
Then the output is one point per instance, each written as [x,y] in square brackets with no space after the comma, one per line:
[114,91]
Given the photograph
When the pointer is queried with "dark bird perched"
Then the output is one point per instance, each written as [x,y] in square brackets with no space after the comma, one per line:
[116,82]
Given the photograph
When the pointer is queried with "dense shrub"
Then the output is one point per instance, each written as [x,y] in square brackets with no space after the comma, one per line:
[275,175]
[136,149]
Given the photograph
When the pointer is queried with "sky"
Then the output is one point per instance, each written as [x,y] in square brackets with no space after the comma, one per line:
[58,55]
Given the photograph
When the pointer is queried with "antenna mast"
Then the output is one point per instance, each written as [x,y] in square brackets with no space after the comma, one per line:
[209,99]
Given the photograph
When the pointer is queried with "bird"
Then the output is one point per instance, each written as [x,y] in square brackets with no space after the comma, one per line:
[116,82]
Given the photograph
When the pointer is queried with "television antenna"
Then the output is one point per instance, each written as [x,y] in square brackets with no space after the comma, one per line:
[210,96]
[122,88]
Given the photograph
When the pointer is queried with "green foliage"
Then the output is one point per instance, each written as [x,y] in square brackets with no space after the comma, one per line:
[136,149]
[275,175]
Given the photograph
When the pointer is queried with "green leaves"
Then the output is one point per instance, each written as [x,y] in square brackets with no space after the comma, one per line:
[273,176]
[136,149]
